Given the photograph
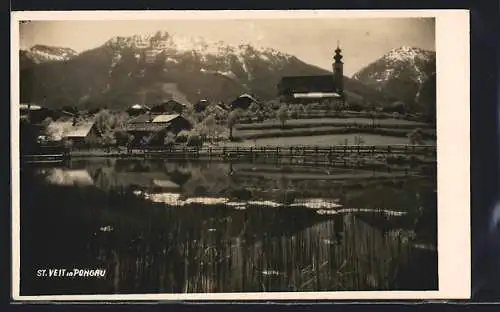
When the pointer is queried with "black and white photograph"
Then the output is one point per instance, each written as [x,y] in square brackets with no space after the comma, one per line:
[248,155]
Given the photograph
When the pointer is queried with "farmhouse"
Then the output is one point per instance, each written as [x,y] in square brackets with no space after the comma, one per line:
[243,102]
[137,109]
[78,133]
[152,129]
[169,107]
[201,106]
[324,89]
[210,107]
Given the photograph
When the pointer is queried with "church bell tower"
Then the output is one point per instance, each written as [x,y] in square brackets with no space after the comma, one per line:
[338,71]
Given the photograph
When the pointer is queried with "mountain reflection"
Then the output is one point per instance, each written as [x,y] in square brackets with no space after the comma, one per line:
[174,227]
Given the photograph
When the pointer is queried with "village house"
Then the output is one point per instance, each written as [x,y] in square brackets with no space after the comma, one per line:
[151,129]
[201,106]
[137,109]
[327,90]
[211,107]
[36,113]
[80,133]
[169,107]
[243,102]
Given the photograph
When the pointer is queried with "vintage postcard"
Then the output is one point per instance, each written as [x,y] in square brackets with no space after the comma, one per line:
[240,155]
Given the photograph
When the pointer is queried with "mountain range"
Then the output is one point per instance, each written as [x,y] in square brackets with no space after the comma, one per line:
[401,73]
[152,68]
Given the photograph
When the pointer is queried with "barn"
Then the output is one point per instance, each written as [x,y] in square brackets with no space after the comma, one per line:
[79,133]
[243,102]
[151,129]
[201,106]
[169,107]
[137,109]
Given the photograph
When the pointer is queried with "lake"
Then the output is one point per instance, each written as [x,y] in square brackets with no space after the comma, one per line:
[159,226]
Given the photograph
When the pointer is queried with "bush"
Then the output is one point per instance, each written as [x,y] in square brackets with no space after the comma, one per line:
[195,140]
[182,136]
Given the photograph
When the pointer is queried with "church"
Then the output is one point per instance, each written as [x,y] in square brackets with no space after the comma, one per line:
[325,90]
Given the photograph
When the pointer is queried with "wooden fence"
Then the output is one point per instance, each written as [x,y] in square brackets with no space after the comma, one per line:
[352,156]
[296,151]
[345,155]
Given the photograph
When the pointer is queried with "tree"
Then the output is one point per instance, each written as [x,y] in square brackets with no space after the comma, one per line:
[108,139]
[254,107]
[210,124]
[182,136]
[169,139]
[194,139]
[301,109]
[232,119]
[416,137]
[67,143]
[107,121]
[282,115]
[122,137]
[103,121]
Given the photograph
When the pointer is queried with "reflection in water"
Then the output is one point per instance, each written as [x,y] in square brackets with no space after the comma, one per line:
[192,227]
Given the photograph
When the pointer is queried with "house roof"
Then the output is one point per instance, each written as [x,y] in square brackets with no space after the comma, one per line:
[248,96]
[65,129]
[146,126]
[138,106]
[80,130]
[220,107]
[309,95]
[140,119]
[165,183]
[176,99]
[24,106]
[165,118]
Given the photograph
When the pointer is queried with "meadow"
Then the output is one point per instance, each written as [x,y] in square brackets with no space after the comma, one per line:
[326,140]
[389,122]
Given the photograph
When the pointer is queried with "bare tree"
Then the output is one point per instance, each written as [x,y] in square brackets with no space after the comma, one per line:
[282,115]
[232,119]
[416,137]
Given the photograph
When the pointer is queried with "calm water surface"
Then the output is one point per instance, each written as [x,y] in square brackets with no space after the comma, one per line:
[176,227]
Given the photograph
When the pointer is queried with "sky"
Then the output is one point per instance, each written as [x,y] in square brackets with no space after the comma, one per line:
[313,40]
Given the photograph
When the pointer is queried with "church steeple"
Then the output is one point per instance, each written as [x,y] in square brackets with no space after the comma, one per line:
[338,71]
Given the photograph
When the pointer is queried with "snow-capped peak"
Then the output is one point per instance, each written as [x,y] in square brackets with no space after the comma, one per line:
[406,53]
[165,41]
[42,53]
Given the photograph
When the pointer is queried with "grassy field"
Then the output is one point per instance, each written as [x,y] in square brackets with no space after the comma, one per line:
[327,140]
[273,123]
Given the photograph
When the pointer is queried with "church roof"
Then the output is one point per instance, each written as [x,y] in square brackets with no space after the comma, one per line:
[306,84]
[316,95]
